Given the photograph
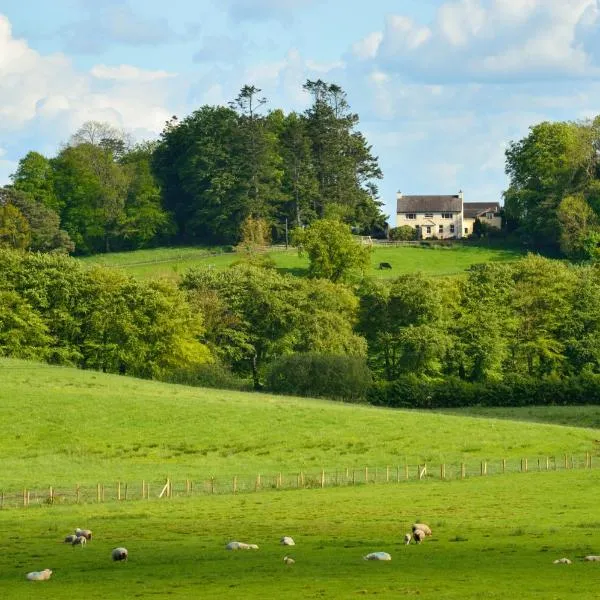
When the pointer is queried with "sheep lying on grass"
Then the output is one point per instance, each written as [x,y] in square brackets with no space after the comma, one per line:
[241,546]
[286,540]
[562,561]
[407,538]
[592,558]
[424,528]
[288,560]
[119,554]
[377,556]
[39,575]
[79,541]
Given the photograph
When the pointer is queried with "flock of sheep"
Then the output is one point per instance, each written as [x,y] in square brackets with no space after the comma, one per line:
[80,538]
[419,532]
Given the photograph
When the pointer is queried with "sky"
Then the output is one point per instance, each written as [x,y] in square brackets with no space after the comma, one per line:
[441,86]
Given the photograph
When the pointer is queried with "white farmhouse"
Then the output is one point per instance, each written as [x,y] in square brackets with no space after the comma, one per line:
[444,217]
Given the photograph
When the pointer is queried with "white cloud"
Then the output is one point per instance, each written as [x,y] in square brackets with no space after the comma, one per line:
[318,67]
[128,73]
[368,46]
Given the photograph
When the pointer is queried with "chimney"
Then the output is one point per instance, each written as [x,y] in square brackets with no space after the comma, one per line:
[460,194]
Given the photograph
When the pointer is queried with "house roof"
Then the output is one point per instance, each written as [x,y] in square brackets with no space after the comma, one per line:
[474,209]
[430,204]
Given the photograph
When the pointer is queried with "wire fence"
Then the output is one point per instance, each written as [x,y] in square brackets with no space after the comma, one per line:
[119,491]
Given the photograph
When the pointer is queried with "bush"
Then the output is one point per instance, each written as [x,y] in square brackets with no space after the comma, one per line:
[320,375]
[211,375]
[404,233]
[514,390]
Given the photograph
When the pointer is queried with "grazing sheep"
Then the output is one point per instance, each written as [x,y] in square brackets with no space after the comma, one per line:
[424,528]
[562,561]
[592,558]
[39,575]
[86,533]
[377,556]
[418,535]
[241,546]
[288,560]
[79,541]
[407,538]
[287,541]
[70,539]
[119,554]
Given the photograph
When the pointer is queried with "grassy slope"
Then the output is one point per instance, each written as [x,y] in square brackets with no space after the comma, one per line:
[494,538]
[60,426]
[171,262]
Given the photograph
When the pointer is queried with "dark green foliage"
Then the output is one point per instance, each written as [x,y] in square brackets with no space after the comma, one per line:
[318,375]
[211,375]
[514,390]
[404,233]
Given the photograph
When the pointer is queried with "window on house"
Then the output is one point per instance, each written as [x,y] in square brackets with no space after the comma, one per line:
[428,229]
[489,215]
[452,228]
[446,215]
[441,229]
[466,230]
[410,216]
[429,215]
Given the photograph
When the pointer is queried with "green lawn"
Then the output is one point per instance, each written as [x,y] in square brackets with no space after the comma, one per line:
[60,426]
[493,538]
[172,262]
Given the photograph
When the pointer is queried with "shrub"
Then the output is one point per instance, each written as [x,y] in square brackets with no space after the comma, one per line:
[320,375]
[211,375]
[404,233]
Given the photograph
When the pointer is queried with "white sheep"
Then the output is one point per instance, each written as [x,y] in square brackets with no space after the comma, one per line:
[288,560]
[418,535]
[70,539]
[241,546]
[592,558]
[119,554]
[407,538]
[286,540]
[39,575]
[562,561]
[80,540]
[424,528]
[377,556]
[86,533]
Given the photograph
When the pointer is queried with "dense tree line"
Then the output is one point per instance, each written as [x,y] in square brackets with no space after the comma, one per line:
[206,175]
[554,196]
[521,327]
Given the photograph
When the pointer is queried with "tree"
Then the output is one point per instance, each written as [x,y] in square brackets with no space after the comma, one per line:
[43,222]
[255,235]
[14,228]
[34,176]
[577,222]
[333,252]
[403,233]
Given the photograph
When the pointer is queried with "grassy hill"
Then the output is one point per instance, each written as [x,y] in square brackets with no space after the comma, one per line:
[61,426]
[171,262]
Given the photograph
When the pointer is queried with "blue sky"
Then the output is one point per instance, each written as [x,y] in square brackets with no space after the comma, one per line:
[441,86]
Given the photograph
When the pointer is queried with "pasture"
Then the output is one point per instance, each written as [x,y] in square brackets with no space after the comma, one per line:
[493,537]
[170,263]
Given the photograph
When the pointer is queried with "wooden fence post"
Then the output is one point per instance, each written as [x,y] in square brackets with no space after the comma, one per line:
[98,493]
[353,477]
[566,462]
[422,472]
[257,483]
[125,491]
[463,470]
[503,466]
[187,487]
[235,484]
[366,474]
[547,463]
[77,493]
[1,500]
[406,471]
[442,471]
[212,485]
[302,478]
[51,495]
[483,467]
[118,490]
[387,474]
[397,473]
[322,478]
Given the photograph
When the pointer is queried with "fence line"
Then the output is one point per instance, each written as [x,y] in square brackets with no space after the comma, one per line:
[121,491]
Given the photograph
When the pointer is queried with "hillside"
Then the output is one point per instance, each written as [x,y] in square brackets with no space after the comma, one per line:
[59,426]
[171,262]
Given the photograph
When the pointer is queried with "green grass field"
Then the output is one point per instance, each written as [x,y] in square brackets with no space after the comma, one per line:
[172,262]
[493,537]
[60,426]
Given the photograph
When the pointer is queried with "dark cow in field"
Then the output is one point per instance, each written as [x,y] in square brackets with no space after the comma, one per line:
[385,265]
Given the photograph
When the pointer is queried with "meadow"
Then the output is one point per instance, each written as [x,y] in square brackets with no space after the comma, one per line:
[62,426]
[170,263]
[493,537]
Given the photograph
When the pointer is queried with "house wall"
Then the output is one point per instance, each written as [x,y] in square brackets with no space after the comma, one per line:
[468,223]
[434,223]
